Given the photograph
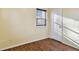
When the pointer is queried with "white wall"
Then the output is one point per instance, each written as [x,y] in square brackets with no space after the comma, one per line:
[56,32]
[18,25]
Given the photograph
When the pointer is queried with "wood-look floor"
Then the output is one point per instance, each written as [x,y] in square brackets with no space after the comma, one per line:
[44,45]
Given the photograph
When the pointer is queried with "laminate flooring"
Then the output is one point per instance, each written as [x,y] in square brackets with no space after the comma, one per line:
[44,45]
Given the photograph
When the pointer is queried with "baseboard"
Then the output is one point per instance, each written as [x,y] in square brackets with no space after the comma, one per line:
[64,43]
[12,46]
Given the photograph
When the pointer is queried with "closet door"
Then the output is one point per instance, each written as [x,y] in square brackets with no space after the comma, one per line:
[57,24]
[71,25]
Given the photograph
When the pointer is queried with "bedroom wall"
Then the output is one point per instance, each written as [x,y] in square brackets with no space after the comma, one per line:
[18,25]
[69,13]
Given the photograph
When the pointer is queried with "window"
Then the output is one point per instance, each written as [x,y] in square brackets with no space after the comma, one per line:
[41,17]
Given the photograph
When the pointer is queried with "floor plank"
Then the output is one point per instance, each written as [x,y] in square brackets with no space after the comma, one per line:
[44,45]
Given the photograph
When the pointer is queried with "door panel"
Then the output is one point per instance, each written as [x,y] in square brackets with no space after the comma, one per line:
[57,28]
[71,24]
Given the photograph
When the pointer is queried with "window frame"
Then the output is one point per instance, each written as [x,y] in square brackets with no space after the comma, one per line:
[40,18]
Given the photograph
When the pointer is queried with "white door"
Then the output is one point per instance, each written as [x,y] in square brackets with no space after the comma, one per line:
[71,24]
[56,24]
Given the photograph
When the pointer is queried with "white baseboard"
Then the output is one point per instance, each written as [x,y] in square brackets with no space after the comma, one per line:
[22,43]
